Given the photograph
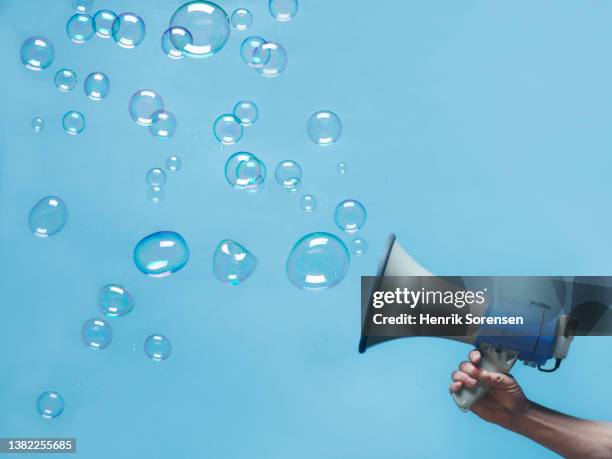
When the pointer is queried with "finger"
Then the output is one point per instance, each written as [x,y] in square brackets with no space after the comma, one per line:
[474,356]
[494,379]
[455,387]
[469,369]
[460,376]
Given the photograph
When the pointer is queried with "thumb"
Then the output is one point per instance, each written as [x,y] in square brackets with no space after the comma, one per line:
[497,380]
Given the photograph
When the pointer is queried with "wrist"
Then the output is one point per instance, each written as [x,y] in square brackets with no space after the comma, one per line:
[518,419]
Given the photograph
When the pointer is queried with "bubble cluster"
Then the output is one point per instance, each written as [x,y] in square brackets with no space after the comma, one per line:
[161,254]
[350,215]
[288,174]
[156,176]
[245,171]
[38,124]
[48,216]
[247,112]
[283,10]
[128,30]
[37,53]
[273,59]
[163,124]
[359,246]
[174,41]
[103,23]
[157,347]
[73,122]
[96,86]
[324,127]
[173,163]
[115,300]
[50,404]
[65,80]
[143,104]
[97,334]
[308,203]
[233,263]
[227,129]
[80,28]
[242,19]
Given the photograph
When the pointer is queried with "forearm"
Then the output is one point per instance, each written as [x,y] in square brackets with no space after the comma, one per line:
[566,435]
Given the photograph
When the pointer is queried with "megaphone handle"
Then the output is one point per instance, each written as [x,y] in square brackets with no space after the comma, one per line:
[492,359]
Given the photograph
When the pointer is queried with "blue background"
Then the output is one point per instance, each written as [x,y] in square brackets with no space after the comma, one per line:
[478,131]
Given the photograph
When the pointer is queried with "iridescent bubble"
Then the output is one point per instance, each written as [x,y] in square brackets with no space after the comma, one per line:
[359,246]
[273,58]
[157,347]
[38,124]
[156,176]
[143,104]
[48,216]
[317,261]
[161,254]
[73,122]
[97,334]
[65,80]
[208,24]
[164,124]
[342,168]
[80,28]
[97,86]
[247,112]
[350,215]
[115,300]
[245,171]
[82,6]
[242,19]
[37,53]
[247,52]
[324,127]
[288,174]
[103,23]
[308,203]
[50,404]
[156,194]
[227,129]
[233,263]
[174,41]
[283,10]
[128,30]
[173,163]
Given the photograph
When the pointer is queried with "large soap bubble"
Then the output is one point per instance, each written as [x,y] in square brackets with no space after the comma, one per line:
[37,53]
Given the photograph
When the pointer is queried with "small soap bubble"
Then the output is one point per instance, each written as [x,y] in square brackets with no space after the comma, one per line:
[97,86]
[324,127]
[350,215]
[242,19]
[317,261]
[103,23]
[157,347]
[359,246]
[73,122]
[80,28]
[97,334]
[245,171]
[143,104]
[156,176]
[247,52]
[82,6]
[247,112]
[128,30]
[115,300]
[48,216]
[273,58]
[161,254]
[233,263]
[288,174]
[38,124]
[342,168]
[173,163]
[65,80]
[37,53]
[308,203]
[50,404]
[283,10]
[163,125]
[156,194]
[227,129]
[208,24]
[174,41]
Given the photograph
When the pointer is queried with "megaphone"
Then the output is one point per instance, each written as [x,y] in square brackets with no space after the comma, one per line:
[546,333]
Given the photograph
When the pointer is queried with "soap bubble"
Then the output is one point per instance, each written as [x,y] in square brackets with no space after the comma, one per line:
[163,125]
[324,127]
[157,347]
[227,129]
[156,176]
[80,28]
[317,261]
[173,163]
[156,194]
[232,263]
[103,23]
[245,171]
[97,86]
[283,10]
[242,19]
[50,404]
[128,30]
[288,174]
[48,216]
[247,52]
[161,254]
[115,300]
[38,124]
[308,203]
[82,6]
[359,246]
[174,41]
[342,168]
[65,80]
[97,334]
[350,215]
[247,112]
[208,24]
[37,53]
[73,122]
[273,58]
[143,104]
